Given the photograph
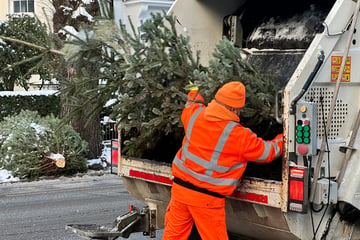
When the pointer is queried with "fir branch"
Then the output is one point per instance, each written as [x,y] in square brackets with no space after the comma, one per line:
[31,45]
[27,60]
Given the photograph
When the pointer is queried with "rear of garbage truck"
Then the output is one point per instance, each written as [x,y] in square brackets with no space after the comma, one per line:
[311,48]
[304,46]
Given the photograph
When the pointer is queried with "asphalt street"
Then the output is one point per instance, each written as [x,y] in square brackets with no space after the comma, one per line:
[40,210]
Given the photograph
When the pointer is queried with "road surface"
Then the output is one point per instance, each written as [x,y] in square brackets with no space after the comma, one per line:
[40,210]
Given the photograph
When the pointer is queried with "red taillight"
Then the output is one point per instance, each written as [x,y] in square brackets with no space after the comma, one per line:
[297,172]
[298,189]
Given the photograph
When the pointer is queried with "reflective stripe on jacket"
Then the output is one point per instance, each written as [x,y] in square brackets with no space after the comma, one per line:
[214,154]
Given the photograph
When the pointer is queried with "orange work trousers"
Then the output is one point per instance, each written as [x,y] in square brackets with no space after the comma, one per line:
[189,207]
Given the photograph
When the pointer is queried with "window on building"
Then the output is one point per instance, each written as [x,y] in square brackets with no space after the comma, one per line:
[23,6]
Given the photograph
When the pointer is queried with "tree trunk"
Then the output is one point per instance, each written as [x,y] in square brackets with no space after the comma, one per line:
[90,133]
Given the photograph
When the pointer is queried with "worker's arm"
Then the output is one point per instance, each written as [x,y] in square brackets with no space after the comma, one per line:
[194,102]
[194,96]
[258,150]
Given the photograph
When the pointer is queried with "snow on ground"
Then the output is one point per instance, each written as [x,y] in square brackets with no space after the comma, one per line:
[5,176]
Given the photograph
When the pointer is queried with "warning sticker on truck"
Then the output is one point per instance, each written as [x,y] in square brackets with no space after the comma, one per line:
[335,68]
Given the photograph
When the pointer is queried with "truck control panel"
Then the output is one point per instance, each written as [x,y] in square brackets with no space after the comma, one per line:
[306,125]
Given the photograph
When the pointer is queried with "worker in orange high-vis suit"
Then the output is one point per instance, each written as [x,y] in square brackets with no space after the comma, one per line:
[210,163]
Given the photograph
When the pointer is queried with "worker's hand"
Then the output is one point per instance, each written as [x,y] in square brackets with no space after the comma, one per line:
[192,86]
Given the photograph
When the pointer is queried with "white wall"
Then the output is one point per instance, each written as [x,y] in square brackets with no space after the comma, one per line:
[138,10]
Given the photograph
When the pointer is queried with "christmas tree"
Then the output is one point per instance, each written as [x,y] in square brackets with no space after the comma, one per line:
[148,72]
[146,76]
[32,146]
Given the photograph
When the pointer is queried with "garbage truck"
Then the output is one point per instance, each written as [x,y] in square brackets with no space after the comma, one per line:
[316,59]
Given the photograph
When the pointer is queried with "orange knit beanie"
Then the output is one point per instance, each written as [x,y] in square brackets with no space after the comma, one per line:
[232,94]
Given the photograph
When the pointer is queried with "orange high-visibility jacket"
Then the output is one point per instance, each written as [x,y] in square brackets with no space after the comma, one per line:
[214,154]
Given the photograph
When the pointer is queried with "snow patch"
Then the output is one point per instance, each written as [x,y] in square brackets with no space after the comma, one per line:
[110,102]
[66,10]
[81,11]
[96,161]
[56,156]
[87,1]
[28,93]
[68,30]
[6,176]
[40,130]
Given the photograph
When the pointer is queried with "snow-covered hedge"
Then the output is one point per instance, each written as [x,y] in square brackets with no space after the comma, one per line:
[44,102]
[28,142]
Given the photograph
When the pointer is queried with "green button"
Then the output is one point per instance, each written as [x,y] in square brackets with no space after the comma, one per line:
[299,127]
[306,140]
[306,128]
[299,134]
[306,134]
[299,140]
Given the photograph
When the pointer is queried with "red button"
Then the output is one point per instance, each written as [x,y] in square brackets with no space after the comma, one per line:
[306,122]
[302,149]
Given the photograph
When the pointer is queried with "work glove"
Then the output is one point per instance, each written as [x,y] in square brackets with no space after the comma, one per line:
[192,86]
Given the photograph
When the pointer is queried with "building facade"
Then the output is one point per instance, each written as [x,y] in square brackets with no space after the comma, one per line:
[138,10]
[42,9]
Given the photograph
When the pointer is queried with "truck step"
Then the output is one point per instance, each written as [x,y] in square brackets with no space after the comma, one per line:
[133,221]
[93,231]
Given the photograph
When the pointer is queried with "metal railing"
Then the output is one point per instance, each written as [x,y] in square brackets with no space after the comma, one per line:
[109,131]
